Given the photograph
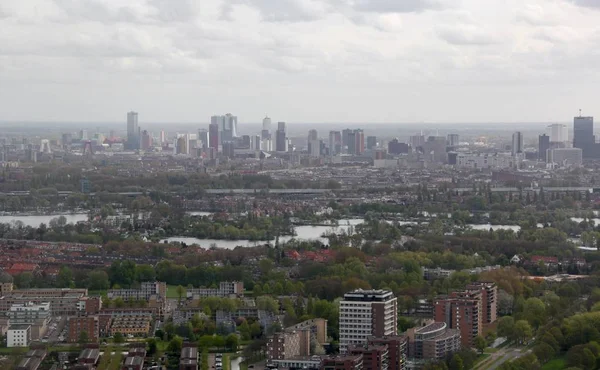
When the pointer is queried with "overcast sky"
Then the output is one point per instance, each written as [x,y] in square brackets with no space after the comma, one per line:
[300,60]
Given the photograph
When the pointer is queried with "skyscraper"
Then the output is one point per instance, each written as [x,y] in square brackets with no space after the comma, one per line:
[281,138]
[366,313]
[266,128]
[558,133]
[359,146]
[133,131]
[213,136]
[583,135]
[453,140]
[371,142]
[203,139]
[227,125]
[146,140]
[517,143]
[543,146]
[335,142]
[313,139]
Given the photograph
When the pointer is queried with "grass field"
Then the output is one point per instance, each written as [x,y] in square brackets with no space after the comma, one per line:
[172,292]
[556,364]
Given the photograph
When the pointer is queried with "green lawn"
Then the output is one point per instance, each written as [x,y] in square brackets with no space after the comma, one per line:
[172,292]
[556,364]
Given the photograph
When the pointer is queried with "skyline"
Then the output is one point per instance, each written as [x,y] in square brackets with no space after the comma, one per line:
[436,61]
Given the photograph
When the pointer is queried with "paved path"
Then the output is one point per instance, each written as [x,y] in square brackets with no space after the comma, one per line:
[500,357]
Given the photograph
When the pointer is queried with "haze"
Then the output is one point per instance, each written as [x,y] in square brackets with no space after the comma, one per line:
[299,60]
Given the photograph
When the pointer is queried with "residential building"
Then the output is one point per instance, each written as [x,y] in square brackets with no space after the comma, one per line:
[433,342]
[89,356]
[489,296]
[371,142]
[366,313]
[189,357]
[88,325]
[335,143]
[63,302]
[343,363]
[135,324]
[18,336]
[287,345]
[397,350]
[225,289]
[373,357]
[485,161]
[37,316]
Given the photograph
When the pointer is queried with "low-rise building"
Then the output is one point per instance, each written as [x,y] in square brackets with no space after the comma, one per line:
[433,342]
[77,326]
[225,289]
[189,357]
[352,362]
[18,336]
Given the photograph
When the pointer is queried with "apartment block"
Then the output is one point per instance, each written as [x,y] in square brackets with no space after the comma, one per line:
[489,296]
[433,342]
[287,345]
[367,313]
[343,363]
[63,302]
[89,325]
[397,347]
[225,289]
[29,313]
[18,336]
[373,357]
[155,293]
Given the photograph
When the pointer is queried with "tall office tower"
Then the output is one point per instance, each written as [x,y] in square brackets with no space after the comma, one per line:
[163,137]
[45,146]
[543,146]
[583,135]
[453,140]
[371,142]
[558,133]
[346,139]
[366,313]
[417,141]
[517,143]
[435,149]
[229,149]
[281,144]
[359,146]
[335,142]
[146,140]
[203,139]
[132,130]
[180,145]
[227,127]
[313,136]
[83,135]
[255,142]
[350,142]
[266,128]
[213,135]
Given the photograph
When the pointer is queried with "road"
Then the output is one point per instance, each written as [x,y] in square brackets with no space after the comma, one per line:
[500,357]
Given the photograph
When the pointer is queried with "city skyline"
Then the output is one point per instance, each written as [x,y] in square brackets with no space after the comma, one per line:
[411,61]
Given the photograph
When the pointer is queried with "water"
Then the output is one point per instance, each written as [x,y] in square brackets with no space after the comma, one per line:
[36,220]
[487,227]
[302,233]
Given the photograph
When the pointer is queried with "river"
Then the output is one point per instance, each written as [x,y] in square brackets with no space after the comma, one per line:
[36,220]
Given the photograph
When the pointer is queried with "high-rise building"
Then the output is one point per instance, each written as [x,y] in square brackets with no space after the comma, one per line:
[489,300]
[453,140]
[213,136]
[543,146]
[396,147]
[346,133]
[558,133]
[433,342]
[133,131]
[517,143]
[163,137]
[359,146]
[266,128]
[229,149]
[146,140]
[335,142]
[583,135]
[366,313]
[435,149]
[281,138]
[417,141]
[371,142]
[227,127]
[350,142]
[461,311]
[203,139]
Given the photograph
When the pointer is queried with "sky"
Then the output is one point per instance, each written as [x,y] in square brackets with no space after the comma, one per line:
[366,61]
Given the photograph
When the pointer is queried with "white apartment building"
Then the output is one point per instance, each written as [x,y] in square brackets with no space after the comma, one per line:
[18,336]
[485,161]
[367,313]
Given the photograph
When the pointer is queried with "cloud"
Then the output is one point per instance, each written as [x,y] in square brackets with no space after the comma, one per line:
[587,3]
[399,6]
[287,10]
[467,35]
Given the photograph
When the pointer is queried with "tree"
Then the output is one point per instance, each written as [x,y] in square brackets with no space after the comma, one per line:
[83,338]
[98,280]
[506,326]
[231,342]
[534,311]
[480,343]
[175,344]
[544,352]
[456,363]
[118,338]
[180,292]
[64,278]
[522,332]
[152,346]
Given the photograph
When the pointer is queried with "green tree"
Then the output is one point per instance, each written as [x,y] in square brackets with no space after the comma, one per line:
[98,280]
[175,344]
[544,352]
[231,342]
[506,326]
[534,311]
[180,293]
[480,343]
[522,332]
[64,278]
[152,346]
[118,338]
[456,363]
[83,338]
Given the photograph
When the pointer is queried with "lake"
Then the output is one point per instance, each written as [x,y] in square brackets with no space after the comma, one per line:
[36,220]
